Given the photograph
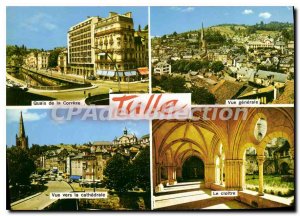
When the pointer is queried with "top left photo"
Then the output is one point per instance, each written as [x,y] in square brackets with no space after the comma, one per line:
[75,53]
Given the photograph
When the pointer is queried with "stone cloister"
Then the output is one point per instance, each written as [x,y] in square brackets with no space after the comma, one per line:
[219,144]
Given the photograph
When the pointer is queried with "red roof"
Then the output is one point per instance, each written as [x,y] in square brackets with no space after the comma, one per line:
[143,70]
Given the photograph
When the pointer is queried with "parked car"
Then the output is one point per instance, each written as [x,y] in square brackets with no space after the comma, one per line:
[91,77]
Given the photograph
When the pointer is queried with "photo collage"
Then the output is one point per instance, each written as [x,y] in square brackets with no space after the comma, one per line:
[207,98]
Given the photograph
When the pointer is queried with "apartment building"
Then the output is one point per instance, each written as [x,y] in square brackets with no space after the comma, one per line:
[37,60]
[81,53]
[62,61]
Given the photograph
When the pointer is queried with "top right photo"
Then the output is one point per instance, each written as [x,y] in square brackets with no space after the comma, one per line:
[223,55]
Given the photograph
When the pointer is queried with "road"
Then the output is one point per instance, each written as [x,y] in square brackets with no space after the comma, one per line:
[43,200]
[101,87]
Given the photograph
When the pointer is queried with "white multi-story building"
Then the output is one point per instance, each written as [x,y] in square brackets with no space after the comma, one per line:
[162,68]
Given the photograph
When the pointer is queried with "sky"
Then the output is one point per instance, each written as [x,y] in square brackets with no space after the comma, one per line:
[47,27]
[166,20]
[43,130]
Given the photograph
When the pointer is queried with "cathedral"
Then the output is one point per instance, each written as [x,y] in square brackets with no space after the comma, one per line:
[21,138]
[126,139]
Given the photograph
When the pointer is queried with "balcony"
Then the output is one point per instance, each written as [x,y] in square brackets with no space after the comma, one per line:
[113,30]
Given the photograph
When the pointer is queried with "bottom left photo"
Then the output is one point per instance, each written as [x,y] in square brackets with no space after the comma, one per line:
[66,160]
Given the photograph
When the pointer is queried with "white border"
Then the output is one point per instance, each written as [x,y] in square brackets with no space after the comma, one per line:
[5,3]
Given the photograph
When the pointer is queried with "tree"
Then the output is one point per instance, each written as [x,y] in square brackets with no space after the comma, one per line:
[53,57]
[155,82]
[217,66]
[141,170]
[16,54]
[20,166]
[174,84]
[175,33]
[116,174]
[164,37]
[146,27]
[200,95]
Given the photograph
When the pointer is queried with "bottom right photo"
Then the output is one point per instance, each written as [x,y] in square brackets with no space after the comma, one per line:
[225,158]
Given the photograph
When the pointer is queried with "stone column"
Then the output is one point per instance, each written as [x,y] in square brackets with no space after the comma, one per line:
[261,160]
[158,173]
[159,186]
[221,171]
[171,175]
[209,174]
[242,174]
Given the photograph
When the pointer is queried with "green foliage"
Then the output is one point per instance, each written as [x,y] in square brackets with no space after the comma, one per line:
[16,53]
[273,26]
[20,166]
[53,57]
[186,66]
[217,66]
[146,27]
[212,36]
[288,35]
[122,175]
[40,171]
[140,170]
[173,84]
[200,95]
[116,174]
[273,184]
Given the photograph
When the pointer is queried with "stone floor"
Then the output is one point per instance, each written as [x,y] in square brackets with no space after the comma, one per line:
[192,196]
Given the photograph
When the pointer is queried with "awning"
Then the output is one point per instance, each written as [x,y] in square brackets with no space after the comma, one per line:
[105,73]
[75,177]
[110,73]
[119,74]
[130,73]
[143,71]
[100,72]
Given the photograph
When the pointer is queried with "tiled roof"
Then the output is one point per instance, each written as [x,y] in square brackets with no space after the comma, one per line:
[278,77]
[226,90]
[287,97]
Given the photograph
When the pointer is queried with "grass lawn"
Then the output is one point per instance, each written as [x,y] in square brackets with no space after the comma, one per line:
[272,185]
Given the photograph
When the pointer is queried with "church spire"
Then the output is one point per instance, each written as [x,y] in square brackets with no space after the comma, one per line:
[125,131]
[21,138]
[21,127]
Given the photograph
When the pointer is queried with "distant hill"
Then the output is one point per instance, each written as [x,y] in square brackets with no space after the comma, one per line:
[271,29]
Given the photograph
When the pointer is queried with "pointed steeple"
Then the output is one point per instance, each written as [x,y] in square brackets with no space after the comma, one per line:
[21,138]
[21,127]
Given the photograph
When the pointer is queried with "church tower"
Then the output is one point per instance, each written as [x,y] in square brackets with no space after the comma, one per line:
[202,42]
[21,138]
[125,131]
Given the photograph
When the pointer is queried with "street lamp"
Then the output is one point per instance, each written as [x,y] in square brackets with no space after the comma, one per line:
[115,66]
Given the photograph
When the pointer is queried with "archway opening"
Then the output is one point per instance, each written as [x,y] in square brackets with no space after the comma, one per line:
[193,169]
[278,168]
[251,169]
